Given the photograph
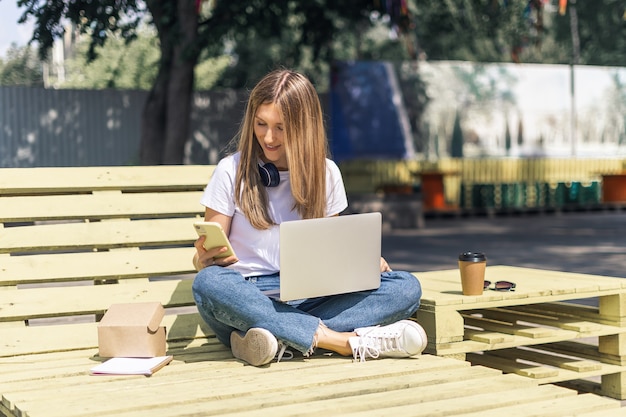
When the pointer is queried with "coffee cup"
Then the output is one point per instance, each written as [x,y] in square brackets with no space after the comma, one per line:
[472,267]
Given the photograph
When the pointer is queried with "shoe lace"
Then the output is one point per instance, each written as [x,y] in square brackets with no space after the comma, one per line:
[374,342]
[283,353]
[365,350]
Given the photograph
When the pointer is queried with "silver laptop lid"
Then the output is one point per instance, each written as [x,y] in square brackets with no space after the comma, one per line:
[328,256]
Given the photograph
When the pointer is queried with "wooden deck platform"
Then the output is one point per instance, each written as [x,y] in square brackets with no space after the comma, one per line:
[205,380]
[73,241]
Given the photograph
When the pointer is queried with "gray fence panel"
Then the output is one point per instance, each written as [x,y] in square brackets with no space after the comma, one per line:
[215,120]
[41,127]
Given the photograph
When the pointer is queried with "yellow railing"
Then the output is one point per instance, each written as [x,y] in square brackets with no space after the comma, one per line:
[366,176]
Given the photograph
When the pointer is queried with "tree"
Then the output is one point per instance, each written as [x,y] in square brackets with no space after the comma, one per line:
[601,32]
[125,65]
[456,144]
[507,138]
[259,35]
[185,29]
[482,30]
[21,67]
[118,65]
[520,31]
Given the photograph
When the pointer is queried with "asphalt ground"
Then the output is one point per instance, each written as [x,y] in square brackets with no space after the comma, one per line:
[585,242]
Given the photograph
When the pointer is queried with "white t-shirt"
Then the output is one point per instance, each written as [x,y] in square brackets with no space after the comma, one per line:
[258,250]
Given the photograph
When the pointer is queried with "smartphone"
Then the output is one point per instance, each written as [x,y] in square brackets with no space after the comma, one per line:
[215,237]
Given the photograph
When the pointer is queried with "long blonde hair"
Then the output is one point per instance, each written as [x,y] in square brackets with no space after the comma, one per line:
[305,146]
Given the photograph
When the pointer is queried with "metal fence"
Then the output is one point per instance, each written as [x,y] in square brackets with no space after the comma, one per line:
[45,127]
[41,127]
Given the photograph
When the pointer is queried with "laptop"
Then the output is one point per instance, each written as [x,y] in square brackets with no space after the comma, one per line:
[329,256]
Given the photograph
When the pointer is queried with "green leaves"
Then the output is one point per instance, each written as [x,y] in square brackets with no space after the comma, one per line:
[21,67]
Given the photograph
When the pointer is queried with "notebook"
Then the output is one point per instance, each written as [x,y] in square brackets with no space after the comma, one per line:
[131,366]
[328,256]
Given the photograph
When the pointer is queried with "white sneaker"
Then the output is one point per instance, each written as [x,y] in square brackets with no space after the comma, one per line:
[398,340]
[256,346]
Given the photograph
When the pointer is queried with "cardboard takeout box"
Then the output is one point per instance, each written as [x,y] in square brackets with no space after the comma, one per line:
[132,330]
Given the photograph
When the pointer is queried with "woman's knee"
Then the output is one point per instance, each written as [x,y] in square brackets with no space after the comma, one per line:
[410,286]
[215,283]
[204,284]
[414,285]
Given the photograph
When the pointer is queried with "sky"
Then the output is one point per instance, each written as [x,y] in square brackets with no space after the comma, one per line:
[10,30]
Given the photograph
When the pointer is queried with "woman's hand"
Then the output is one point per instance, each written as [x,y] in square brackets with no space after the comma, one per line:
[384,266]
[204,257]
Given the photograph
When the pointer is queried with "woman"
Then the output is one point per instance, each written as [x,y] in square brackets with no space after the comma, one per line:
[280,173]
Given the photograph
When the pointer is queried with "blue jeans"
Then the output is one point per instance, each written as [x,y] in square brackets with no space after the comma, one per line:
[227,301]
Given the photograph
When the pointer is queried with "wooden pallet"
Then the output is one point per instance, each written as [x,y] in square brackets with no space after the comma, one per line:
[533,331]
[73,241]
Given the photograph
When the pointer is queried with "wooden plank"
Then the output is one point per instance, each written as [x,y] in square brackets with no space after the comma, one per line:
[183,383]
[71,267]
[536,355]
[61,364]
[475,343]
[442,288]
[557,309]
[558,407]
[58,365]
[414,402]
[490,338]
[25,304]
[72,179]
[545,319]
[583,350]
[510,328]
[614,385]
[327,402]
[613,308]
[536,273]
[491,398]
[613,347]
[563,280]
[101,235]
[540,369]
[572,310]
[534,371]
[75,337]
[442,327]
[100,206]
[621,412]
